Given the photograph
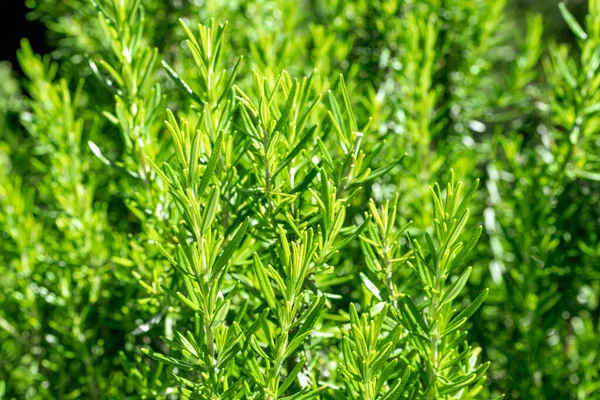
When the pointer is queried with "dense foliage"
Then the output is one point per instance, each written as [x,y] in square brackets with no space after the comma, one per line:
[237,200]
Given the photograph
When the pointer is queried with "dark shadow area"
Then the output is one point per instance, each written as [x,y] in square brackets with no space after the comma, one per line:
[554,23]
[14,26]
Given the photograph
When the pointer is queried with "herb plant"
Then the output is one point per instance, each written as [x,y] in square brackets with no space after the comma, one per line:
[238,200]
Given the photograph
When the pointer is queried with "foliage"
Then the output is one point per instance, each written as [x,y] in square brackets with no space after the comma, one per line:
[281,235]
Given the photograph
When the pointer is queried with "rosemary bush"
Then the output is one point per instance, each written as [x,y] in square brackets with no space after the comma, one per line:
[238,200]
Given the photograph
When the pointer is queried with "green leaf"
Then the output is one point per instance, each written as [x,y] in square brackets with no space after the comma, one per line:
[455,289]
[454,325]
[212,164]
[231,247]
[311,318]
[210,209]
[220,315]
[464,204]
[396,391]
[593,176]
[306,394]
[354,320]
[181,83]
[305,183]
[265,285]
[295,151]
[471,308]
[294,344]
[458,384]
[338,121]
[381,358]
[415,314]
[564,70]
[170,360]
[381,171]
[98,153]
[348,106]
[291,376]
[371,286]
[188,302]
[466,249]
[112,72]
[256,347]
[572,22]
[286,109]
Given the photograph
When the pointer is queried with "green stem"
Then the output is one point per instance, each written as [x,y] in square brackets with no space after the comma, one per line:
[434,336]
[389,283]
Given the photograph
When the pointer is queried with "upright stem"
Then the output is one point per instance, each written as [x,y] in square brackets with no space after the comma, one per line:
[432,389]
[434,338]
[210,342]
[349,166]
[389,277]
[274,373]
